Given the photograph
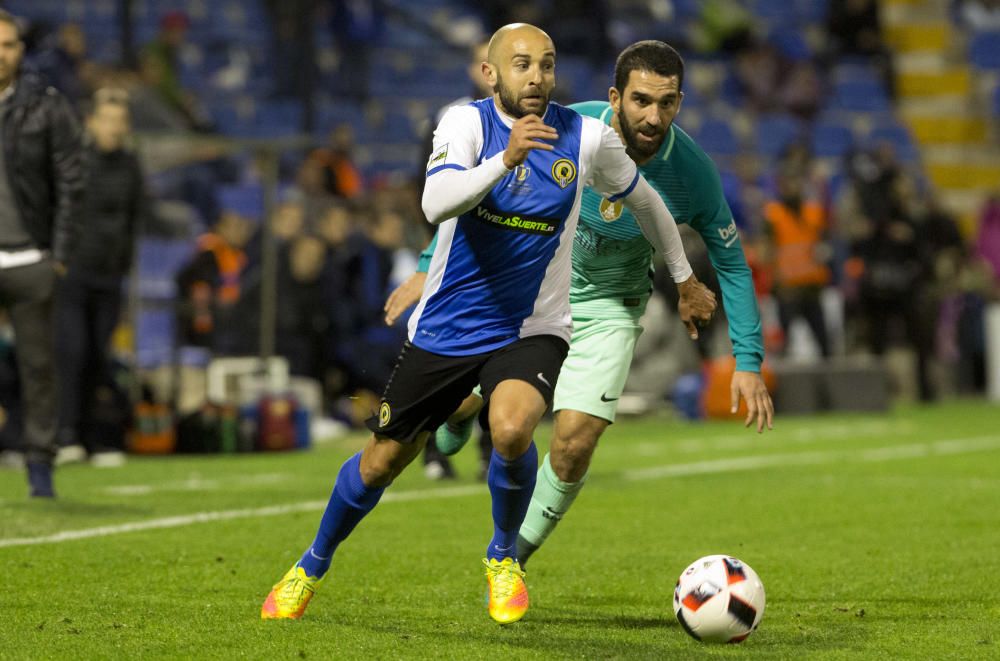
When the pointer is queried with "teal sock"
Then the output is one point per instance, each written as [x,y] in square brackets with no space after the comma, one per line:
[549,503]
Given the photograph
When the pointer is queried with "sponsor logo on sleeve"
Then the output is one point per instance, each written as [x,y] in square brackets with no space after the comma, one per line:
[439,157]
[729,234]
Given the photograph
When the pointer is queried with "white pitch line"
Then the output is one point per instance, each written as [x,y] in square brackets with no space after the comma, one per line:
[888,453]
[227,515]
[939,448]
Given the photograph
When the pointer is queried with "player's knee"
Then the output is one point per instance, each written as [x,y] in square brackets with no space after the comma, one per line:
[511,437]
[383,461]
[570,457]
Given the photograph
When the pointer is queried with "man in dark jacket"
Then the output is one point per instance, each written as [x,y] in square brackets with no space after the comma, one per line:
[89,298]
[40,186]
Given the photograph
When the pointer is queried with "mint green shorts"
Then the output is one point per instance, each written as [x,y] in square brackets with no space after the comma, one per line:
[596,368]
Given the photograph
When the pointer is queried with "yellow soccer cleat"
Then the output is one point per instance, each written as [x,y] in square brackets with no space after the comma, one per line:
[507,594]
[290,596]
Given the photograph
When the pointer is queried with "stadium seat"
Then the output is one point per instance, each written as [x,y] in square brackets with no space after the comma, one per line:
[860,95]
[717,138]
[899,137]
[831,140]
[775,132]
[984,50]
[791,43]
[154,337]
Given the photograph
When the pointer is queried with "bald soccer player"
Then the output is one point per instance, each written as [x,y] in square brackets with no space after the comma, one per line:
[504,185]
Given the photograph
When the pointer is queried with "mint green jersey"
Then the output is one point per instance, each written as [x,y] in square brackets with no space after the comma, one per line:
[613,260]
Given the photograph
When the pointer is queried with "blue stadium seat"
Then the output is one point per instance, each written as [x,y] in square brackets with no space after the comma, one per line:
[812,11]
[775,132]
[791,43]
[154,337]
[900,139]
[276,118]
[860,95]
[984,50]
[157,264]
[850,70]
[831,140]
[716,137]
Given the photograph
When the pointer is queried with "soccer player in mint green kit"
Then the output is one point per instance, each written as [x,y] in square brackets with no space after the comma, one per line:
[611,283]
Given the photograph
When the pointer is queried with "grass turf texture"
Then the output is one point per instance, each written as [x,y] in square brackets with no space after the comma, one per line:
[871,541]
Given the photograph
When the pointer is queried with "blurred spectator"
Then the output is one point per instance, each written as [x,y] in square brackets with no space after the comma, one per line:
[160,69]
[288,220]
[874,175]
[88,299]
[723,25]
[302,312]
[796,227]
[40,187]
[209,286]
[357,25]
[63,63]
[332,167]
[897,260]
[855,28]
[368,350]
[759,70]
[801,92]
[11,406]
[980,15]
[293,52]
[988,237]
[580,27]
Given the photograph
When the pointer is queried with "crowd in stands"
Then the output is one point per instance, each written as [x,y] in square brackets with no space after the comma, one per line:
[819,207]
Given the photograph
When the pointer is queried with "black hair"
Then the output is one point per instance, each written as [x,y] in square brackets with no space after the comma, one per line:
[653,56]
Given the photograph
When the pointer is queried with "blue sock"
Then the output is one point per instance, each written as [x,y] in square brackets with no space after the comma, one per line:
[350,501]
[511,484]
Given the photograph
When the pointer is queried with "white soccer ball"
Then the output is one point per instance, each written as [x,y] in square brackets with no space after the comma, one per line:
[719,599]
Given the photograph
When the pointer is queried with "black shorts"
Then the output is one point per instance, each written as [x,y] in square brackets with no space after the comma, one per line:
[425,388]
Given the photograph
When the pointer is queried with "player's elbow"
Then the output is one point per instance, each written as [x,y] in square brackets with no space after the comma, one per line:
[433,211]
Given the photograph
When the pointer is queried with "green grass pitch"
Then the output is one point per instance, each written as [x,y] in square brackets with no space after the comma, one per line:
[875,537]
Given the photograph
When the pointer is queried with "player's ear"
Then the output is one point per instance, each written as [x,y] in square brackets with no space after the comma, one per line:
[489,73]
[614,98]
[680,100]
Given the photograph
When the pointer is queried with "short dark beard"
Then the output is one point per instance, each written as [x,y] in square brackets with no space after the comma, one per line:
[629,133]
[508,100]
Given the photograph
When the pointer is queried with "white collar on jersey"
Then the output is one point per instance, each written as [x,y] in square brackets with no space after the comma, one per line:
[508,120]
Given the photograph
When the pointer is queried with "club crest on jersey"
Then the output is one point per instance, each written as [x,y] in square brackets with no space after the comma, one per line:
[384,414]
[610,211]
[564,172]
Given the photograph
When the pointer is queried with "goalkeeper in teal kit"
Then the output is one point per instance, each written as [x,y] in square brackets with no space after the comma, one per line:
[611,283]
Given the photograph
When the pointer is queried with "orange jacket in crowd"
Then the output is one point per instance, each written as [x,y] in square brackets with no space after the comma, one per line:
[796,234]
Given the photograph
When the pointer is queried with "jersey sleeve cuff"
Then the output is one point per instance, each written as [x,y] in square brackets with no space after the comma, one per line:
[748,363]
[446,166]
[625,193]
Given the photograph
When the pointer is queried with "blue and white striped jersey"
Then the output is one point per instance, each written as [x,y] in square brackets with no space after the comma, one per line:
[501,270]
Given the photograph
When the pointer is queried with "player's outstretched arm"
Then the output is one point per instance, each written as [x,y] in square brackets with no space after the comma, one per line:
[697,302]
[750,387]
